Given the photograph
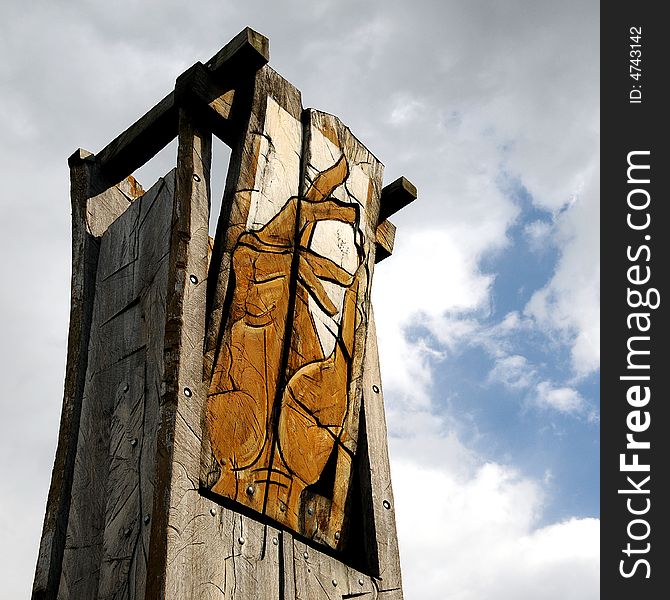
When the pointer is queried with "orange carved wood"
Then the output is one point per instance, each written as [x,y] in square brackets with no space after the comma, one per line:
[283,404]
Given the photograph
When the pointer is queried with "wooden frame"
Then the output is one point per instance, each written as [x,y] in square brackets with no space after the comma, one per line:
[127,515]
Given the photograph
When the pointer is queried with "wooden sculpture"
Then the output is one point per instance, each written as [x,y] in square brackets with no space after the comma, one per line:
[223,432]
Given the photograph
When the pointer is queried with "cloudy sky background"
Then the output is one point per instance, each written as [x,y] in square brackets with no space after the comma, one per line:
[488,311]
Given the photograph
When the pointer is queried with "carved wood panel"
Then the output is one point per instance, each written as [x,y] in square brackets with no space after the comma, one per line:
[284,398]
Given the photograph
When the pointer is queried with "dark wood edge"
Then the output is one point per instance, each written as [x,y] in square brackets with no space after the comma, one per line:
[243,55]
[396,196]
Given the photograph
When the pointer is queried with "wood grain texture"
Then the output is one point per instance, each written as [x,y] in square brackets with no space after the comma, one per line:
[385,238]
[378,518]
[104,553]
[91,215]
[321,577]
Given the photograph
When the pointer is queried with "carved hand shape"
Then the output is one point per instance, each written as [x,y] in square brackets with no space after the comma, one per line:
[271,443]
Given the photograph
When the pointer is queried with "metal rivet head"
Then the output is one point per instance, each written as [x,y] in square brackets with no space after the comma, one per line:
[335,582]
[126,387]
[282,507]
[250,490]
[147,518]
[337,535]
[133,442]
[212,511]
[196,177]
[305,555]
[375,389]
[126,532]
[275,541]
[361,582]
[387,504]
[193,278]
[223,462]
[310,511]
[187,392]
[240,540]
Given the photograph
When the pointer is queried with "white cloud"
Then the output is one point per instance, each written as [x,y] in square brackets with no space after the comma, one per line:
[563,399]
[569,303]
[478,537]
[538,233]
[513,371]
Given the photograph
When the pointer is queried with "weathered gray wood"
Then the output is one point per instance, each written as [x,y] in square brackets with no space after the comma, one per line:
[395,196]
[385,237]
[210,98]
[381,541]
[141,141]
[246,53]
[105,511]
[91,215]
[184,324]
[136,408]
[322,577]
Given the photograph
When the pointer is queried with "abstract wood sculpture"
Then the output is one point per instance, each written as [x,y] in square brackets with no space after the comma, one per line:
[223,432]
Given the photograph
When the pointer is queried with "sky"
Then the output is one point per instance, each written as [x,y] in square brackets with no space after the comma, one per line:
[487,312]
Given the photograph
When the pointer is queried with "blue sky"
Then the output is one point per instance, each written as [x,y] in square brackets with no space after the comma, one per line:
[487,312]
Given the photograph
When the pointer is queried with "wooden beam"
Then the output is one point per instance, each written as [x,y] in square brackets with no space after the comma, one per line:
[248,50]
[396,196]
[244,54]
[207,98]
[141,141]
[385,235]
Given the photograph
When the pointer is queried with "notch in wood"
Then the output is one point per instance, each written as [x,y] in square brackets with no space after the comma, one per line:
[247,51]
[396,196]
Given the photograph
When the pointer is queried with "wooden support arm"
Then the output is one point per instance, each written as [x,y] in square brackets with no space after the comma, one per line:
[395,196]
[210,85]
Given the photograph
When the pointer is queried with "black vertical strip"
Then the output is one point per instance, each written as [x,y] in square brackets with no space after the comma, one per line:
[634,247]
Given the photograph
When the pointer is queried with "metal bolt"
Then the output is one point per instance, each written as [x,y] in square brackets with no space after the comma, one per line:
[282,507]
[361,582]
[387,504]
[305,555]
[337,535]
[275,541]
[212,511]
[193,278]
[187,392]
[133,442]
[375,389]
[147,518]
[126,532]
[335,582]
[240,540]
[250,490]
[310,511]
[126,387]
[196,177]
[223,462]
